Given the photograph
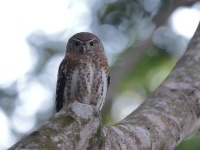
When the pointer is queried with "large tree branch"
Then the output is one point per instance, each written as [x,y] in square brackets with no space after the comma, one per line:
[168,115]
[77,126]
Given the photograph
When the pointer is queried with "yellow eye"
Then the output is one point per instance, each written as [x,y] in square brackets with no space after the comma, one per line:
[92,44]
[76,44]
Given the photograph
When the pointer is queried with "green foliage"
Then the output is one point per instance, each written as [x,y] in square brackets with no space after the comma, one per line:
[156,63]
[190,143]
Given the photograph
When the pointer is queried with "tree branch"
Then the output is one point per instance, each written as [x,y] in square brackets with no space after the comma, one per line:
[76,126]
[168,115]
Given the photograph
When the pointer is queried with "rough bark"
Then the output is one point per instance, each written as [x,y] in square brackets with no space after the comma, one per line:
[76,126]
[167,116]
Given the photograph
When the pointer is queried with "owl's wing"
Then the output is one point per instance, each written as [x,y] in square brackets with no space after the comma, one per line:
[108,81]
[61,82]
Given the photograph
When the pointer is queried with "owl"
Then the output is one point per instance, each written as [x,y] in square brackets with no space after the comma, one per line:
[83,74]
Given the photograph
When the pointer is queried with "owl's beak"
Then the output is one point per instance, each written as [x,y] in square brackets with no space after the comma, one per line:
[83,49]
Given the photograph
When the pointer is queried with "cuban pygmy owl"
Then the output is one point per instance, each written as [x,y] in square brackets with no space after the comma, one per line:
[83,73]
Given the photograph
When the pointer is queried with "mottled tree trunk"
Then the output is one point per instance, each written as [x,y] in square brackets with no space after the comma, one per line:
[167,116]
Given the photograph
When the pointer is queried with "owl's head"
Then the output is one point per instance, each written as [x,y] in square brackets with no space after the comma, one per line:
[84,42]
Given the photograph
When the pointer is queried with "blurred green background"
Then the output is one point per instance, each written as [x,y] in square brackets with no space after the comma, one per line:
[143,40]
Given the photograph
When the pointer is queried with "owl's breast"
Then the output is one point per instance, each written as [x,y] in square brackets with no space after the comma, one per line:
[85,79]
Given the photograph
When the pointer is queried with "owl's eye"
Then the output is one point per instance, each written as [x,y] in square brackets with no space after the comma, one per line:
[76,44]
[92,44]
